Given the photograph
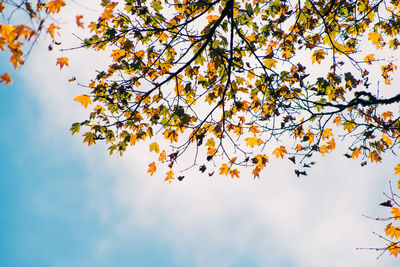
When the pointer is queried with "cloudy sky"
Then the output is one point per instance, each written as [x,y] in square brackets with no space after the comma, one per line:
[65,204]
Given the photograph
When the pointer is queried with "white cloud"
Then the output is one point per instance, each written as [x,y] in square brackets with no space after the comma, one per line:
[312,221]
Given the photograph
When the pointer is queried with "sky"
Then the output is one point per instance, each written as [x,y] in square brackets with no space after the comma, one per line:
[66,204]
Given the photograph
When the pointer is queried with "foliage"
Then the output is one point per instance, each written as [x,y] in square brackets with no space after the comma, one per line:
[234,81]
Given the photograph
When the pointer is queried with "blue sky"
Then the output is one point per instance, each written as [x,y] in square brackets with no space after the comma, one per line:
[64,204]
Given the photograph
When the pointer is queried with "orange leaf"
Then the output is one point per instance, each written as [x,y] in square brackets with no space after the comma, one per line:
[170,176]
[54,6]
[224,169]
[234,173]
[84,100]
[396,213]
[78,21]
[51,29]
[280,152]
[5,78]
[337,120]
[355,153]
[152,168]
[62,61]
[394,249]
[108,11]
[2,7]
[392,231]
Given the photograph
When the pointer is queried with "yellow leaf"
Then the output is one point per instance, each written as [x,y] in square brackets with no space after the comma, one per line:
[252,141]
[376,39]
[54,6]
[318,56]
[397,169]
[5,78]
[280,152]
[387,140]
[369,58]
[62,61]
[84,100]
[224,169]
[152,168]
[78,21]
[170,176]
[270,63]
[396,213]
[349,125]
[154,147]
[163,38]
[89,138]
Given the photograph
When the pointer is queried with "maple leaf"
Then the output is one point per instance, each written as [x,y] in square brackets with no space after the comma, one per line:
[376,39]
[270,63]
[369,58]
[318,56]
[253,141]
[349,125]
[170,176]
[224,169]
[90,138]
[78,21]
[84,100]
[108,11]
[396,213]
[2,7]
[54,6]
[392,231]
[394,249]
[355,153]
[280,152]
[152,168]
[162,157]
[6,78]
[374,156]
[397,169]
[62,61]
[234,173]
[337,120]
[154,147]
[51,29]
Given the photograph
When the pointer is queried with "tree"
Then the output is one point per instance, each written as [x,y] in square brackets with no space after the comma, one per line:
[231,82]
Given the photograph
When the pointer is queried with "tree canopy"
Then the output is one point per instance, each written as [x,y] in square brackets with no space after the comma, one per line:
[232,83]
